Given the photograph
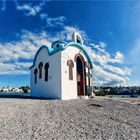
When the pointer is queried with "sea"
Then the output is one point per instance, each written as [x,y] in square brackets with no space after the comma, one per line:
[14,94]
[122,96]
[21,94]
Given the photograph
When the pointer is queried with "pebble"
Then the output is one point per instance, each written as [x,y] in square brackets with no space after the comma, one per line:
[29,119]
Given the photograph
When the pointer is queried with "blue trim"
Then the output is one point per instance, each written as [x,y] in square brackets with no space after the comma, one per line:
[52,51]
[61,42]
[79,46]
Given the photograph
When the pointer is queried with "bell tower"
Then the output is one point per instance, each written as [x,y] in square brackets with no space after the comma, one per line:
[77,38]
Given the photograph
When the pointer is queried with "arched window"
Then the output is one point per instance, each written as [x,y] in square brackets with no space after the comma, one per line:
[35,74]
[46,71]
[40,69]
[71,65]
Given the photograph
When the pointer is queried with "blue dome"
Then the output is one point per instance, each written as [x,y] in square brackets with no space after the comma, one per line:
[58,44]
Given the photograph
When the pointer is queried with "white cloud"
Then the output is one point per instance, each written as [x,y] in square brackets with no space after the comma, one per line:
[14,68]
[57,21]
[100,47]
[29,9]
[102,73]
[117,70]
[106,65]
[102,56]
[25,48]
[118,58]
[67,33]
[104,68]
[108,77]
[29,43]
[105,59]
[53,22]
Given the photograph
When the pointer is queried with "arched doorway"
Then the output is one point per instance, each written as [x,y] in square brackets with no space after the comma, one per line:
[80,67]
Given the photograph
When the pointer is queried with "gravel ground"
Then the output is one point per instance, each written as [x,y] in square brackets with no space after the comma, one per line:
[99,119]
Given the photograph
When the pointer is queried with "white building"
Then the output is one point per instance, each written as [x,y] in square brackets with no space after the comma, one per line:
[62,71]
[8,89]
[17,90]
[5,89]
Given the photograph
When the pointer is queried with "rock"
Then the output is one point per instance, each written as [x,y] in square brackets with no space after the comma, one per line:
[92,95]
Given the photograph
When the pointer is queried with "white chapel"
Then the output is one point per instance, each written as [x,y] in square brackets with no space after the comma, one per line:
[62,71]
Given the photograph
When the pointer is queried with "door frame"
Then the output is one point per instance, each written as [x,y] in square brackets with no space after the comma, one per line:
[83,72]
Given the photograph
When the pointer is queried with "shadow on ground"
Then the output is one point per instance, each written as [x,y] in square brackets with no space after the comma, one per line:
[24,97]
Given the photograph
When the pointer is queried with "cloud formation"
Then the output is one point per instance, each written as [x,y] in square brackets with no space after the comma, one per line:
[30,10]
[108,69]
[53,22]
[13,52]
[29,42]
[100,72]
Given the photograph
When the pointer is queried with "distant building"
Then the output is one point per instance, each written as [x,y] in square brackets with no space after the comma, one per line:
[5,89]
[62,71]
[17,90]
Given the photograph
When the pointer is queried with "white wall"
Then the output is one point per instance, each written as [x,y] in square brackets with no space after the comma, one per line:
[58,85]
[52,87]
[69,87]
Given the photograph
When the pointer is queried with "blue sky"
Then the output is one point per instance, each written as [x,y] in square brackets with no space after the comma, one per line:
[110,31]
